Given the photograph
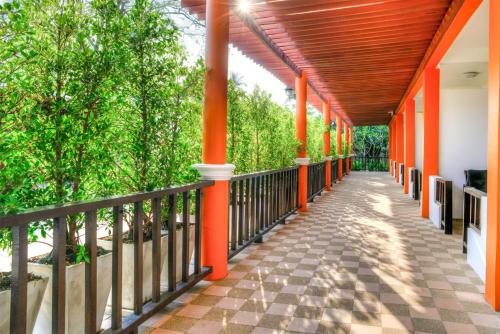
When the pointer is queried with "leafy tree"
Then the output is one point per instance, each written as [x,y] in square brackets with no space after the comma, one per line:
[315,130]
[238,136]
[370,141]
[61,82]
[97,97]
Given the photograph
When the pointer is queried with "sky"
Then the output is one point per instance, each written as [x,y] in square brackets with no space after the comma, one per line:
[251,73]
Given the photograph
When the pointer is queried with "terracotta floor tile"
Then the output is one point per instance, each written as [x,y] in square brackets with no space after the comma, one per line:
[361,260]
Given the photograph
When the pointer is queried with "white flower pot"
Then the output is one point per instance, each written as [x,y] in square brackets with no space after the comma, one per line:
[178,240]
[128,269]
[75,295]
[36,290]
[147,270]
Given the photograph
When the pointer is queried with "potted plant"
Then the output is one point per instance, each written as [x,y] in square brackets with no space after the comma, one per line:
[147,254]
[157,83]
[36,289]
[60,92]
[75,289]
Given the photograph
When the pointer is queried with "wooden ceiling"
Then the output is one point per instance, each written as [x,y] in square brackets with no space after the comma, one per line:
[359,54]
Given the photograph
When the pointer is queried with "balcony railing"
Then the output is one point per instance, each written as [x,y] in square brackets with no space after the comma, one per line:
[370,163]
[258,202]
[472,212]
[133,206]
[316,180]
[445,200]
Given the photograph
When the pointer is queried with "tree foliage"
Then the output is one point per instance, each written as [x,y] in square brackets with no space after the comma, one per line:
[98,98]
[371,141]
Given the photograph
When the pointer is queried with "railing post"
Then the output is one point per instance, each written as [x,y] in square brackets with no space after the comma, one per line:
[215,199]
[301,134]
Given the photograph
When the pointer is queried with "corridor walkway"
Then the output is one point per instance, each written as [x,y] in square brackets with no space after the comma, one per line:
[360,261]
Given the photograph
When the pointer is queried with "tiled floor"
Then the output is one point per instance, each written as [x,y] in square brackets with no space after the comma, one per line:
[360,261]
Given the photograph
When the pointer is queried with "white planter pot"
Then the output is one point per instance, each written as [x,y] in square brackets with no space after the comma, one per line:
[128,269]
[147,269]
[75,295]
[36,290]
[178,271]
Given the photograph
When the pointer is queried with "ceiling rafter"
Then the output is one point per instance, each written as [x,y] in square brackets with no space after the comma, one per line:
[360,55]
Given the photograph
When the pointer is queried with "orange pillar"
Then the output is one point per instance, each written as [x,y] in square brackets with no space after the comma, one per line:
[215,199]
[339,146]
[389,148]
[326,145]
[400,144]
[346,142]
[351,137]
[395,147]
[352,140]
[409,139]
[301,134]
[394,135]
[431,134]
[492,290]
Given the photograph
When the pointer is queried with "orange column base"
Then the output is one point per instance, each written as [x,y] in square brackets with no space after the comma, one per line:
[303,188]
[328,175]
[215,227]
[339,163]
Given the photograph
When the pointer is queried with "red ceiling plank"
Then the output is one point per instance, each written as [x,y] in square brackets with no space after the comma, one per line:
[359,55]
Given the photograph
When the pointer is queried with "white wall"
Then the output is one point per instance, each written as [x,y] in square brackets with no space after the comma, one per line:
[434,207]
[463,126]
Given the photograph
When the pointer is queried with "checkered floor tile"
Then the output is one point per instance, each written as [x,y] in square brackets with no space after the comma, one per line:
[360,261]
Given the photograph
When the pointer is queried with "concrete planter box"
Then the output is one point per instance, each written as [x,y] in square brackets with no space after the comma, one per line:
[147,270]
[75,295]
[178,271]
[36,290]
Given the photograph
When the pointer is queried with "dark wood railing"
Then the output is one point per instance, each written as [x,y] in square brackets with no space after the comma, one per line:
[344,165]
[445,199]
[115,205]
[258,202]
[334,171]
[316,180]
[472,212]
[370,163]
